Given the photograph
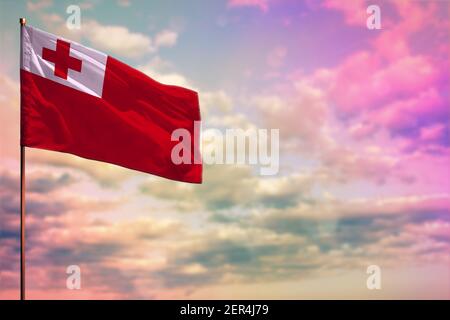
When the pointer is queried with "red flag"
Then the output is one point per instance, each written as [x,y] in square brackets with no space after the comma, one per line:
[78,100]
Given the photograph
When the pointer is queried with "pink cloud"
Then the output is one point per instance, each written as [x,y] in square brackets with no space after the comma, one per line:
[432,133]
[354,11]
[396,84]
[388,66]
[363,82]
[361,130]
[407,113]
[413,14]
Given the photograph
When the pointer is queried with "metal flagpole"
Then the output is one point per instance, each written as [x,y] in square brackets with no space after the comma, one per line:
[22,21]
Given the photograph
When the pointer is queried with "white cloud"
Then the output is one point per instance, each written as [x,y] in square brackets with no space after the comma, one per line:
[171,78]
[166,38]
[215,101]
[113,39]
[306,130]
[117,39]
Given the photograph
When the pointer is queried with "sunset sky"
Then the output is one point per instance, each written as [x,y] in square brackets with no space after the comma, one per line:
[364,156]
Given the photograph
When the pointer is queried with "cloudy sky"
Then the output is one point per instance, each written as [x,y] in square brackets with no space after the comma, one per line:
[364,156]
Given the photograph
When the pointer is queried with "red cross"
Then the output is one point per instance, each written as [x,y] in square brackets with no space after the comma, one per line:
[62,59]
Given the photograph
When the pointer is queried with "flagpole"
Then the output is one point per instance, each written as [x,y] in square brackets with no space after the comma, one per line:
[22,21]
